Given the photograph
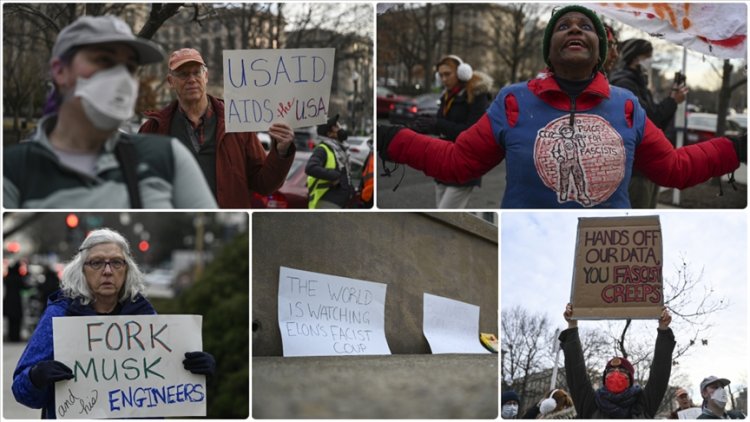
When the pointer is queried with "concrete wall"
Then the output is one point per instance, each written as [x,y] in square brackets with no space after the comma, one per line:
[453,255]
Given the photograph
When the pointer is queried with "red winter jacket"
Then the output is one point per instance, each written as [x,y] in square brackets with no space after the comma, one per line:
[242,166]
[476,150]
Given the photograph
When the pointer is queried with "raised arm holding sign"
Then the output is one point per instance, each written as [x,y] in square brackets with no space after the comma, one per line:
[620,397]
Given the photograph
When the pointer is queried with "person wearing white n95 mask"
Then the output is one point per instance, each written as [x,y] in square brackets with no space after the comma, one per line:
[108,97]
[78,157]
[715,398]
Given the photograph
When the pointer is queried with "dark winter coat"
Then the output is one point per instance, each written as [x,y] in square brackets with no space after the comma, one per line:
[461,115]
[40,347]
[631,79]
[583,393]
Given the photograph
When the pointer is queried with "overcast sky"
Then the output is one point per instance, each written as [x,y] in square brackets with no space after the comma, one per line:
[537,250]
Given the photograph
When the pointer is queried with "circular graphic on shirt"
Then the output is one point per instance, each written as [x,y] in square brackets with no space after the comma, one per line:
[584,163]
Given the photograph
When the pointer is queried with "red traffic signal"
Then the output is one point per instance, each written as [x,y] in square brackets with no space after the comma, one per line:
[143,245]
[71,221]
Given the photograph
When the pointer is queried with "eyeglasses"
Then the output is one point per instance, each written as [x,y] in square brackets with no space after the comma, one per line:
[98,264]
[187,75]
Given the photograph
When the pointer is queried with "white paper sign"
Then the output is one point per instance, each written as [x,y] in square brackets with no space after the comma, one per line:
[128,366]
[689,413]
[451,326]
[326,315]
[262,87]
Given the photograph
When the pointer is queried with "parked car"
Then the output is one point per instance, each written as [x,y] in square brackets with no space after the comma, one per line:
[702,127]
[358,148]
[293,194]
[740,119]
[406,112]
[387,100]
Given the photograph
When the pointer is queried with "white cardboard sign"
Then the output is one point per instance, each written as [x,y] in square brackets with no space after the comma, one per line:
[128,366]
[327,315]
[262,87]
[451,326]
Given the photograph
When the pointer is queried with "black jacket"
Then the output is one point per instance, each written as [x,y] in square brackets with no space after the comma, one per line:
[461,115]
[662,113]
[583,393]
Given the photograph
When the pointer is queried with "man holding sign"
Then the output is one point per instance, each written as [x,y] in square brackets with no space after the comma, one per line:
[102,279]
[619,397]
[234,164]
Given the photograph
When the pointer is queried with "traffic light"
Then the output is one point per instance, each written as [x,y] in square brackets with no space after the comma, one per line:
[13,247]
[143,245]
[71,221]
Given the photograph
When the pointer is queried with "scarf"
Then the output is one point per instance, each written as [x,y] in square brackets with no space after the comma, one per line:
[617,406]
[449,96]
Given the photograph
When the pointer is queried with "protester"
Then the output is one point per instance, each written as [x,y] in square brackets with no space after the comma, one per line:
[715,399]
[367,182]
[234,164]
[77,158]
[464,99]
[612,50]
[102,279]
[631,74]
[509,404]
[557,405]
[328,169]
[683,402]
[620,397]
[14,284]
[570,139]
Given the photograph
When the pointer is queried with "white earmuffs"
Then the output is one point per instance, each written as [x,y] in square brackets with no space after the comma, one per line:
[549,404]
[464,71]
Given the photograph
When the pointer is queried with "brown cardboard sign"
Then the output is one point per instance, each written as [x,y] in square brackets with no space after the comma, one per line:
[618,268]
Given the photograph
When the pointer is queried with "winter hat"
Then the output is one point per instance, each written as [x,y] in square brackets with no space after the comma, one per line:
[632,48]
[620,363]
[326,127]
[508,396]
[600,32]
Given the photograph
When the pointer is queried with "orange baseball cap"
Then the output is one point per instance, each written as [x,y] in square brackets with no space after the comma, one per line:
[184,55]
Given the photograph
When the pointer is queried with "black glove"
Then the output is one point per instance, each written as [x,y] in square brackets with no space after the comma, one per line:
[424,124]
[740,146]
[385,134]
[47,372]
[201,363]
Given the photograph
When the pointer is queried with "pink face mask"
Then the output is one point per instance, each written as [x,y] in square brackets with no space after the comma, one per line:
[616,382]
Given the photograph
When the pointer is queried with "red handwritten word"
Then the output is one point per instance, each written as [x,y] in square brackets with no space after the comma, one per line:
[284,108]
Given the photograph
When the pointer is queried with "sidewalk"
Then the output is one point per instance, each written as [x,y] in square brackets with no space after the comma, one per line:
[455,386]
[11,408]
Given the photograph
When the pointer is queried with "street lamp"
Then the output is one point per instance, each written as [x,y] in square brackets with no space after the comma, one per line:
[355,80]
[439,26]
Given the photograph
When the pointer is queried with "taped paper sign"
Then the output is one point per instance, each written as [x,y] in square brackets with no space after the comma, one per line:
[128,366]
[326,315]
[618,268]
[451,326]
[262,87]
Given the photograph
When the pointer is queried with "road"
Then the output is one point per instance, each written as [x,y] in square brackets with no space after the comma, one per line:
[11,408]
[418,191]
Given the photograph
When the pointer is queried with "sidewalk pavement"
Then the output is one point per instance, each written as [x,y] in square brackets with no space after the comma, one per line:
[451,386]
[11,408]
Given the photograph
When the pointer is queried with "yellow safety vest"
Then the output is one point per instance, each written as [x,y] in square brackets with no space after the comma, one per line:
[318,187]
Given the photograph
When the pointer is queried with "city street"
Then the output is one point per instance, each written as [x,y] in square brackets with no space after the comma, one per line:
[11,408]
[418,190]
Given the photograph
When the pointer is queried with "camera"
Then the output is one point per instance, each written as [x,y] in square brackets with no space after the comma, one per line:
[679,78]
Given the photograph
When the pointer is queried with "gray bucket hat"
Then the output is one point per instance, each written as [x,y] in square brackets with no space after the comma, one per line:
[90,30]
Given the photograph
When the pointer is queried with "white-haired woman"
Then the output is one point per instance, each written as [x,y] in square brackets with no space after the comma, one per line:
[102,279]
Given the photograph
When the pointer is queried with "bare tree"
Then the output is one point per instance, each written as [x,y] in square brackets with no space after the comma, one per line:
[526,346]
[517,39]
